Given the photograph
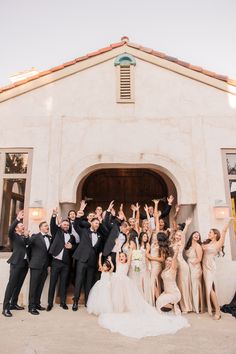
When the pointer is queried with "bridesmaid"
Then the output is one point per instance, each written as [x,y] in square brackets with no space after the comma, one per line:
[145,285]
[171,294]
[156,259]
[193,251]
[183,273]
[155,256]
[211,247]
[129,245]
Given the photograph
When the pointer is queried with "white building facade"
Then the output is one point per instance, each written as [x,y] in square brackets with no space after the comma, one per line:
[123,108]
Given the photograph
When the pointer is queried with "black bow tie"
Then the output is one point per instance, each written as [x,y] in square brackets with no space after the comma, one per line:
[45,236]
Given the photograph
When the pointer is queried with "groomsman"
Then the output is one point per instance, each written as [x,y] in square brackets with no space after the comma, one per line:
[18,266]
[62,245]
[86,255]
[119,228]
[71,218]
[39,245]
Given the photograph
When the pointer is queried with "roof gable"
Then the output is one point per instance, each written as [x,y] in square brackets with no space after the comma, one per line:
[124,46]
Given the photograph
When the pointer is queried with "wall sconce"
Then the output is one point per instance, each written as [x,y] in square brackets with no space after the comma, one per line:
[36,211]
[221,210]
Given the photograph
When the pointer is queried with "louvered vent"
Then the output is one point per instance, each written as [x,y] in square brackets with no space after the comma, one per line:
[125,64]
[125,83]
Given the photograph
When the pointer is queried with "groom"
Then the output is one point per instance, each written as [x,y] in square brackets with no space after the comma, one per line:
[86,255]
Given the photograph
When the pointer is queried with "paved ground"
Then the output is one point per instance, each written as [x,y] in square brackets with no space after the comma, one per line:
[67,332]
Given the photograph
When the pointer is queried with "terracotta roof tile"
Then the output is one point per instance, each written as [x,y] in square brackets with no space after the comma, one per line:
[195,68]
[118,44]
[68,63]
[84,57]
[93,54]
[56,68]
[45,72]
[146,50]
[133,45]
[112,46]
[104,50]
[173,59]
[208,73]
[158,54]
[183,63]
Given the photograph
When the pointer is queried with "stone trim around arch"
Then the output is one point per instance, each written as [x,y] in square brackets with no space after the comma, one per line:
[73,176]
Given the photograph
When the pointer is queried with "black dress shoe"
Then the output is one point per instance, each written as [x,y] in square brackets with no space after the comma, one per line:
[16,307]
[49,307]
[40,308]
[75,306]
[33,312]
[7,313]
[64,306]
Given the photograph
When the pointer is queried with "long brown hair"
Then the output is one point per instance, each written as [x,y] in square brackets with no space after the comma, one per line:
[218,236]
[189,243]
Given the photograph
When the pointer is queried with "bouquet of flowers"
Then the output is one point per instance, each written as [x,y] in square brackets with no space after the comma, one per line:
[136,260]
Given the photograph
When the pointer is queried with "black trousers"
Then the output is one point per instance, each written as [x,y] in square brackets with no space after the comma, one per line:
[85,276]
[37,281]
[16,280]
[58,270]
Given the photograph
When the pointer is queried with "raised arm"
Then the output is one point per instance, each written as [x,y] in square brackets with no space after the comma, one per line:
[112,265]
[166,212]
[107,217]
[53,222]
[221,241]
[100,262]
[121,214]
[19,218]
[175,225]
[148,216]
[174,259]
[137,217]
[187,223]
[133,208]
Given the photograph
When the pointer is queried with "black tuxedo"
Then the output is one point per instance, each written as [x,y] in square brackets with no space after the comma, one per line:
[87,259]
[60,267]
[18,266]
[39,262]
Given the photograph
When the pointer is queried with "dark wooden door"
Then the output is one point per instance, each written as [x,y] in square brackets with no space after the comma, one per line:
[124,186]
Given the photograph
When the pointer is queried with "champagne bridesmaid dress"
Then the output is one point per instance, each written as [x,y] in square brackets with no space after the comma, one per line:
[209,271]
[196,280]
[171,294]
[183,281]
[156,269]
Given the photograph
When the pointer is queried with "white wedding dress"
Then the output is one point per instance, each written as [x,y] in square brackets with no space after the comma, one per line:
[132,316]
[99,300]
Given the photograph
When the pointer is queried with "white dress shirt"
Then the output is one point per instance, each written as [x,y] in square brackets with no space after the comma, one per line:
[66,239]
[94,237]
[74,233]
[121,239]
[46,240]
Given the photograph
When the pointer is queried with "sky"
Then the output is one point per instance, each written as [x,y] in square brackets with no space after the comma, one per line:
[46,33]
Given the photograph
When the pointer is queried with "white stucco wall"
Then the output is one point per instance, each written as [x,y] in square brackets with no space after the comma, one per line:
[177,125]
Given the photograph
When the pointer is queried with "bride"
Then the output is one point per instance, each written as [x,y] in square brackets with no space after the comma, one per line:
[131,315]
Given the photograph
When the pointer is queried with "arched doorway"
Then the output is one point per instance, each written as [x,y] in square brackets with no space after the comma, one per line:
[124,185]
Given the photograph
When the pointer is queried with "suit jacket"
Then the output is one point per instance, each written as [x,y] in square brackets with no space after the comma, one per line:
[39,254]
[85,250]
[19,244]
[113,225]
[58,242]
